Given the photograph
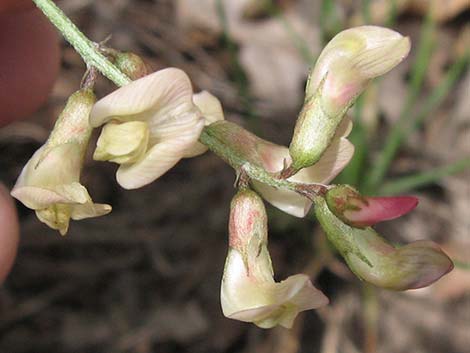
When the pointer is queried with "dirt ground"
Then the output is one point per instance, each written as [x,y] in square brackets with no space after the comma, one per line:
[146,277]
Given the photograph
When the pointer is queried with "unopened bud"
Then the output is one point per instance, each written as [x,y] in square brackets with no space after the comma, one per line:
[376,261]
[343,70]
[131,65]
[360,211]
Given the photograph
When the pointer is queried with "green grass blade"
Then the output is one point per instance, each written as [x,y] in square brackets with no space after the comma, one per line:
[330,23]
[239,77]
[394,138]
[411,182]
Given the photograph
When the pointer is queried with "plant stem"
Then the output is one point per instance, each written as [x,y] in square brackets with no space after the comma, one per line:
[81,43]
[255,172]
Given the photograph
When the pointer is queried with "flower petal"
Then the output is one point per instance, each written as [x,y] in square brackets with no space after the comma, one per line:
[90,210]
[209,106]
[267,304]
[54,166]
[378,209]
[370,50]
[38,198]
[175,140]
[212,111]
[122,142]
[167,90]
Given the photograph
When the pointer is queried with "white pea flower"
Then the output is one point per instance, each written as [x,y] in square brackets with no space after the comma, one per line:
[249,292]
[151,124]
[50,181]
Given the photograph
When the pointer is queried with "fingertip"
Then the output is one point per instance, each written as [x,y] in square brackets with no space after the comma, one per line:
[9,232]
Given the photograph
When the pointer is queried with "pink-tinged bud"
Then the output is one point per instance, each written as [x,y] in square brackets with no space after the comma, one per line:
[361,211]
[376,261]
[249,292]
[343,70]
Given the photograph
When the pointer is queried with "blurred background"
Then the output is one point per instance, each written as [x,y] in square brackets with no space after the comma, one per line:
[146,277]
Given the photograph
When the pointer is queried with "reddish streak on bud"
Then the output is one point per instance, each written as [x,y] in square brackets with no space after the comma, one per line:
[244,216]
[378,209]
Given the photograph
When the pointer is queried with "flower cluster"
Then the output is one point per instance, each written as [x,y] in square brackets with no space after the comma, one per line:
[155,121]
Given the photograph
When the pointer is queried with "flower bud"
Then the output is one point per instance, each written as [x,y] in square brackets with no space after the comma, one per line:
[49,182]
[376,261]
[345,66]
[131,65]
[361,211]
[249,292]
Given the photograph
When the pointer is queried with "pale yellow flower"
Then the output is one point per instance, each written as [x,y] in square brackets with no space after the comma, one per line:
[152,123]
[249,292]
[50,181]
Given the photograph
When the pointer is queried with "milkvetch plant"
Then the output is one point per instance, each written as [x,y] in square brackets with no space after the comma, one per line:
[149,124]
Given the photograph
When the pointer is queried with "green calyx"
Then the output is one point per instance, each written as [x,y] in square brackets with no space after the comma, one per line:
[314,130]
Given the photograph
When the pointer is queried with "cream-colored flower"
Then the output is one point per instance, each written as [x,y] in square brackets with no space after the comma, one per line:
[168,126]
[343,70]
[351,59]
[50,181]
[333,161]
[249,292]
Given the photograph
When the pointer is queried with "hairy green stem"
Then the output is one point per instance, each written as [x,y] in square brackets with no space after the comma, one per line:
[255,172]
[86,48]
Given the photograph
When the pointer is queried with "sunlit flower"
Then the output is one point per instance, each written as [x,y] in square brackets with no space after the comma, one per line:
[362,211]
[249,292]
[374,260]
[343,70]
[50,181]
[154,123]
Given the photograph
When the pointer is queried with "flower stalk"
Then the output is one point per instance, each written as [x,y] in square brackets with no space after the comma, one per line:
[86,48]
[254,172]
